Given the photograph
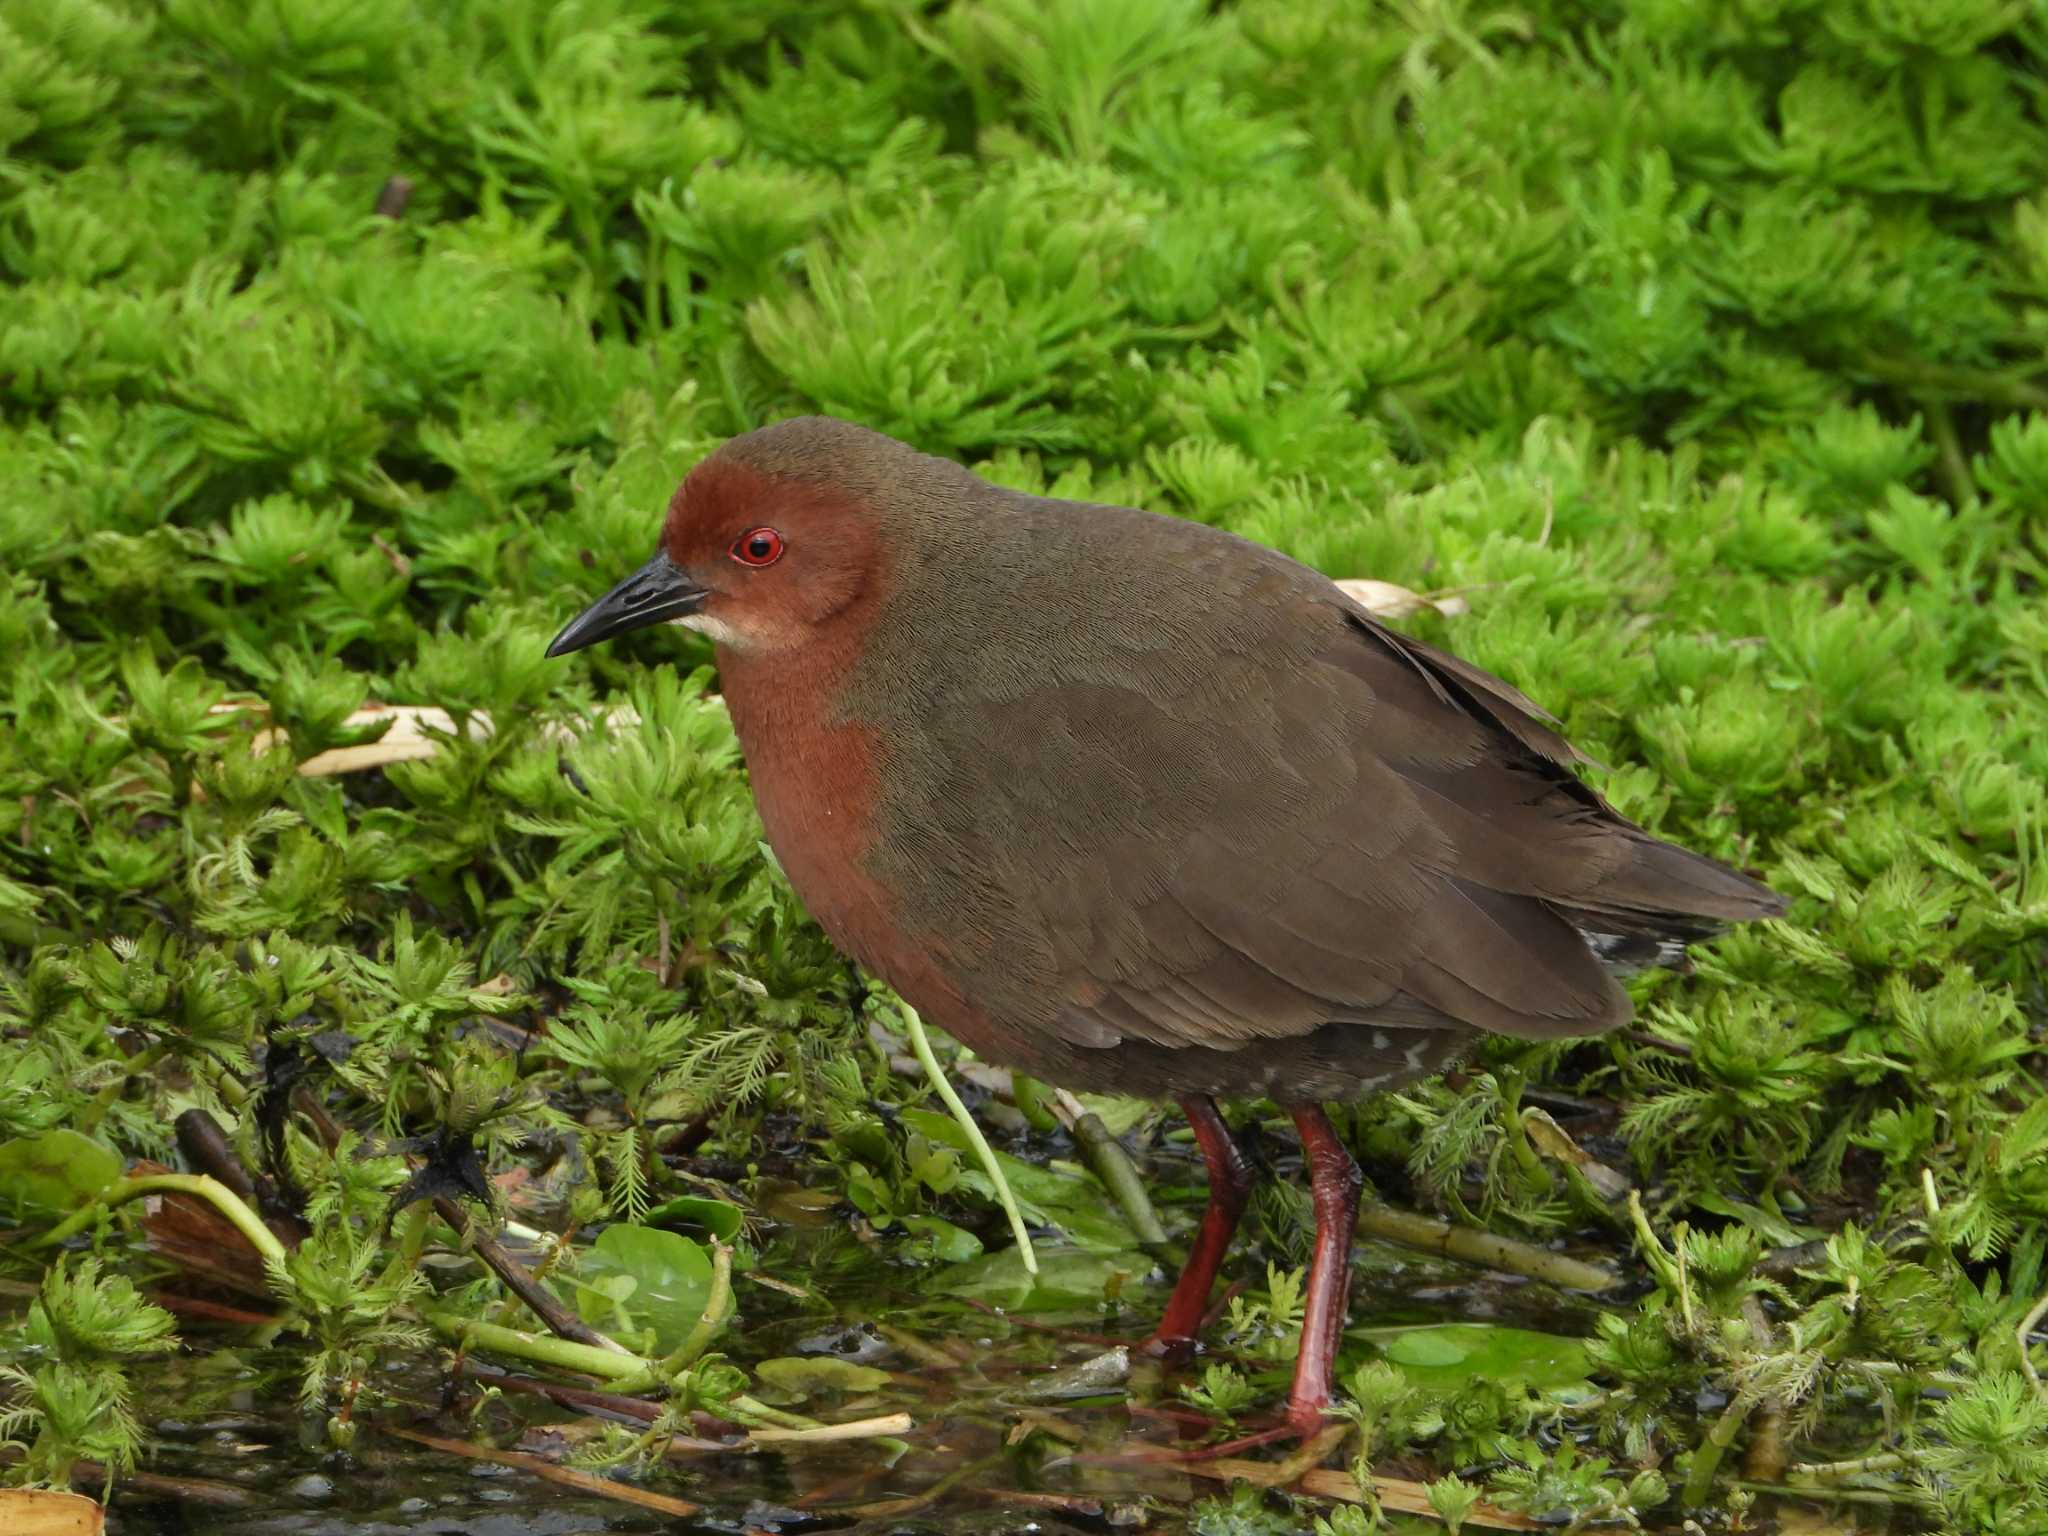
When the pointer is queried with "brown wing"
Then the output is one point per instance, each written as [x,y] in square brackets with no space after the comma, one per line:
[1379,833]
[1141,781]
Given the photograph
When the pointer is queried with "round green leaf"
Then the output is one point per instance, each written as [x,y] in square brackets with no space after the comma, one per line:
[807,1375]
[947,1243]
[721,1218]
[1451,1353]
[670,1275]
[55,1173]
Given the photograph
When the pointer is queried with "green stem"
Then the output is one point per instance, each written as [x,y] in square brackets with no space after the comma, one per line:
[914,1027]
[1883,1461]
[717,1311]
[1823,1491]
[1976,384]
[604,1364]
[18,930]
[1952,467]
[107,1097]
[1413,1230]
[748,1410]
[200,1185]
[1533,1168]
[1113,1166]
[1651,1247]
[412,1237]
[226,1084]
[1706,1461]
[542,1349]
[1034,1102]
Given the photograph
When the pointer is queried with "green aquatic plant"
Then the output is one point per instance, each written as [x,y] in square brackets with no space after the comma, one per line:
[1682,360]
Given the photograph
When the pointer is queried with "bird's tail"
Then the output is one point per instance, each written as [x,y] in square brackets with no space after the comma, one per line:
[1664,898]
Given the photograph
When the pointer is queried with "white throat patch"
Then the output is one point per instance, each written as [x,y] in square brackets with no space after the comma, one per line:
[717,630]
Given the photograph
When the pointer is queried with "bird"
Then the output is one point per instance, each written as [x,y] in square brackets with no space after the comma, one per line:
[1137,806]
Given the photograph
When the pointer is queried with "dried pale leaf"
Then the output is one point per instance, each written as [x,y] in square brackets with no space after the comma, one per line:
[858,1429]
[1036,1422]
[991,1079]
[415,734]
[40,1512]
[186,1231]
[1553,1141]
[1389,600]
[407,741]
[783,1286]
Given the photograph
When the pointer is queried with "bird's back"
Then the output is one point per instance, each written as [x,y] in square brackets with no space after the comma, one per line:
[1160,810]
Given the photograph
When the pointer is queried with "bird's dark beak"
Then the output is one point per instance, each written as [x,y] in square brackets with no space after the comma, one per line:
[654,594]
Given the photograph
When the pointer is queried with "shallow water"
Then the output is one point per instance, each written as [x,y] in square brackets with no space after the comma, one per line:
[1026,1421]
[1009,1438]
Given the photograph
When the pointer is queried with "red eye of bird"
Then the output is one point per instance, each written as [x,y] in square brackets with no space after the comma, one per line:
[761,547]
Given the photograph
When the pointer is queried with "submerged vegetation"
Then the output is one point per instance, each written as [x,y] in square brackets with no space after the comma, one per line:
[348,346]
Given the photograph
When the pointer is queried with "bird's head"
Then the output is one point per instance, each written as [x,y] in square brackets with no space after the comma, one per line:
[768,540]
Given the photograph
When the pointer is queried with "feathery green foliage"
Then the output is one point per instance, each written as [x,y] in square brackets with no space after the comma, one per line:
[1698,348]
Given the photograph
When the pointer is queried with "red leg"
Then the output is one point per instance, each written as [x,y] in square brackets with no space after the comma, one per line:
[1230,1186]
[1335,1183]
